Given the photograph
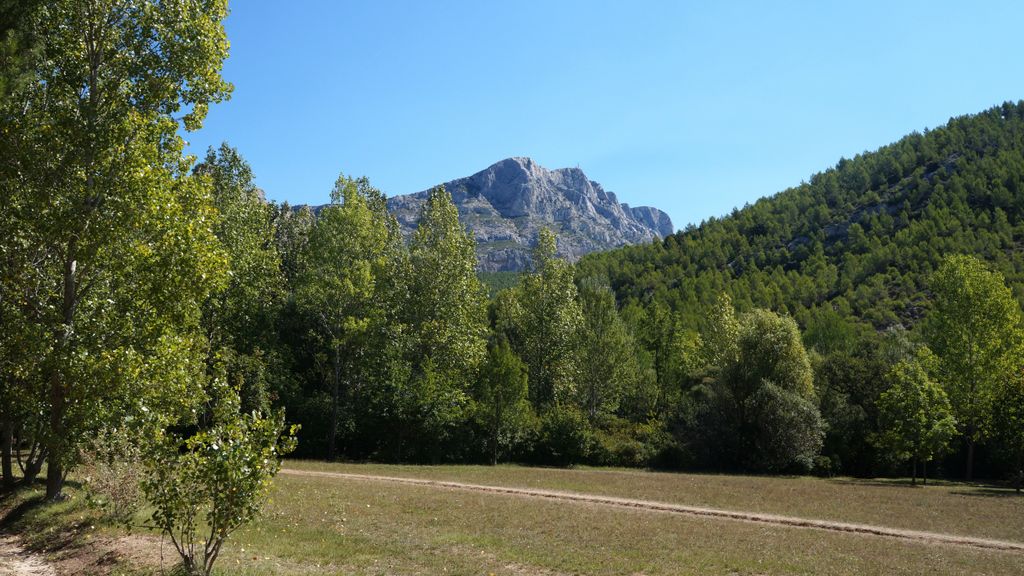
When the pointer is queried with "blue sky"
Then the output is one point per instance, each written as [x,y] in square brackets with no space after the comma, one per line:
[693,107]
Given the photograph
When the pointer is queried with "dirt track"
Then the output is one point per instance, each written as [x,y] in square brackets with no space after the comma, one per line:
[753,517]
[14,561]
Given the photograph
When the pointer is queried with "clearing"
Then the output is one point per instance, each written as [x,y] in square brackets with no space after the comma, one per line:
[380,519]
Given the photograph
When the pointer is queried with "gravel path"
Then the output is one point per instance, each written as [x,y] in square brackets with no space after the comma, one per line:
[753,517]
[14,561]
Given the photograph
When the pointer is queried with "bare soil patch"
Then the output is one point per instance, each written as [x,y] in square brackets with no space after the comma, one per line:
[15,561]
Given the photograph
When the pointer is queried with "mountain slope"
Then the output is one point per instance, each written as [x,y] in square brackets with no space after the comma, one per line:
[860,239]
[506,204]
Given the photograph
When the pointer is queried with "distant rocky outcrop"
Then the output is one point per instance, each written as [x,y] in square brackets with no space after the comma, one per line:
[506,204]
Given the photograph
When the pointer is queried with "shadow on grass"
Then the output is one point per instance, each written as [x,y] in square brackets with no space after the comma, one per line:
[990,492]
[960,488]
[26,511]
[883,483]
[16,513]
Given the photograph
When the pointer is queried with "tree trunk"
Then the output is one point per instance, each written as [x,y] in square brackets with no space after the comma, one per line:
[54,469]
[58,394]
[495,432]
[332,435]
[6,453]
[913,473]
[1019,475]
[969,475]
[924,472]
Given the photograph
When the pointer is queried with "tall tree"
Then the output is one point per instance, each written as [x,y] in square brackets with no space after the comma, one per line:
[502,404]
[761,413]
[544,320]
[1008,425]
[974,329]
[97,163]
[609,367]
[240,320]
[446,312]
[915,419]
[343,285]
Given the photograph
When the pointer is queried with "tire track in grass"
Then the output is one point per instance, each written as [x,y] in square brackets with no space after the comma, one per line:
[684,510]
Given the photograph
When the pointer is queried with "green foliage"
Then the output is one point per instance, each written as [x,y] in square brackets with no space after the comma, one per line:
[610,366]
[759,413]
[206,484]
[975,332]
[543,318]
[498,281]
[446,311]
[1008,426]
[861,238]
[240,320]
[347,286]
[915,419]
[502,407]
[564,437]
[120,234]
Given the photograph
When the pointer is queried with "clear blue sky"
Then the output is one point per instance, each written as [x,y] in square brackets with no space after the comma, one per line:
[693,107]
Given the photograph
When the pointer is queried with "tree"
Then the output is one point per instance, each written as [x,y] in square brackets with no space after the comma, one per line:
[349,267]
[915,418]
[446,312]
[502,405]
[1008,424]
[96,162]
[291,234]
[609,364]
[761,408]
[544,320]
[974,331]
[241,317]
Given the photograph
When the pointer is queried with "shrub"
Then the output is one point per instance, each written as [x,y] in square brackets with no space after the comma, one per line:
[111,467]
[206,485]
[564,437]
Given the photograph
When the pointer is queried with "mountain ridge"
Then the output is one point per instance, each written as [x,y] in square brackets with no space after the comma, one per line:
[507,203]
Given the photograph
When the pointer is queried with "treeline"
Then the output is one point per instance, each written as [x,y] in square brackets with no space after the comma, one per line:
[390,350]
[850,255]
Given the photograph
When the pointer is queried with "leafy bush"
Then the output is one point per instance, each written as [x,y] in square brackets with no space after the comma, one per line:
[206,485]
[564,437]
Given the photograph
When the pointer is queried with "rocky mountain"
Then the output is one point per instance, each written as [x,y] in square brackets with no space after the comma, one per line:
[506,204]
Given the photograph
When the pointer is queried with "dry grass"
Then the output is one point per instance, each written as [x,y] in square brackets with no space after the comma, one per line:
[952,508]
[331,526]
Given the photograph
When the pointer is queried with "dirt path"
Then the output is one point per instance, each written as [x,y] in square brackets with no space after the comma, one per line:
[753,517]
[14,561]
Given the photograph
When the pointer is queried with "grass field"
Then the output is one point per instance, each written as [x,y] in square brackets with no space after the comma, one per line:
[318,525]
[328,525]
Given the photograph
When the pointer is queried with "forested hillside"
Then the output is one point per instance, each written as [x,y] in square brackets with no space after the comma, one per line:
[860,238]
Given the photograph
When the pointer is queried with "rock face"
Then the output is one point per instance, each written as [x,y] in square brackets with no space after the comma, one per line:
[507,204]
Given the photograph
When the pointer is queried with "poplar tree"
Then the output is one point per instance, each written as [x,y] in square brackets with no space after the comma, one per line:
[240,319]
[609,367]
[446,312]
[122,231]
[502,404]
[348,267]
[915,419]
[545,320]
[974,329]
